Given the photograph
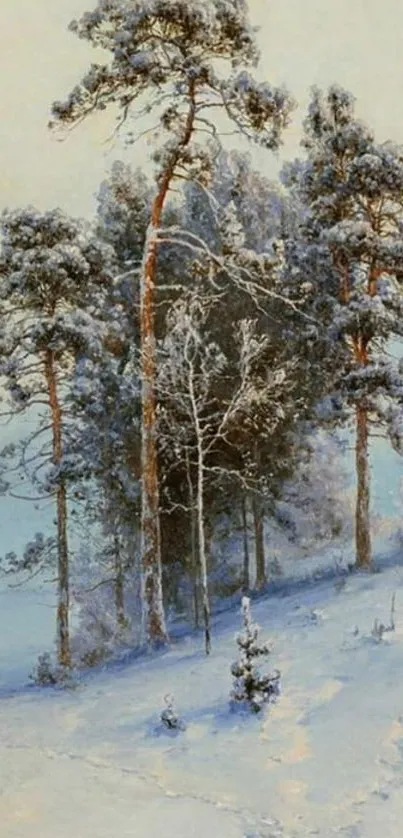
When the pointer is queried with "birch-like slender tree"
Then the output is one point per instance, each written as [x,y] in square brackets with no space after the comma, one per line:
[196,417]
[186,64]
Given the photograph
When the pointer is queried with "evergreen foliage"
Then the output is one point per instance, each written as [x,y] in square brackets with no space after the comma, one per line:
[252,689]
[182,61]
[344,270]
[169,716]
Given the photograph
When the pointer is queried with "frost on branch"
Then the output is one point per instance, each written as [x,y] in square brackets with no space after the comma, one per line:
[37,555]
[251,689]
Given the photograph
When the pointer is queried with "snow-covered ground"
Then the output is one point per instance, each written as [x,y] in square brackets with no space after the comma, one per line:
[326,760]
[27,625]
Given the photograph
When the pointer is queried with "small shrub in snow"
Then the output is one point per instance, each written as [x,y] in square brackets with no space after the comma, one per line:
[340,584]
[275,568]
[379,629]
[98,635]
[48,674]
[315,617]
[169,717]
[251,689]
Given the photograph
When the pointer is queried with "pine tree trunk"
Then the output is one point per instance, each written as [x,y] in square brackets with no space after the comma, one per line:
[151,561]
[258,523]
[362,515]
[62,629]
[246,556]
[119,589]
[63,607]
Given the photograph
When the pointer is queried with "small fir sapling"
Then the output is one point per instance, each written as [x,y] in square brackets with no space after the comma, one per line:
[169,717]
[275,568]
[48,673]
[44,674]
[251,689]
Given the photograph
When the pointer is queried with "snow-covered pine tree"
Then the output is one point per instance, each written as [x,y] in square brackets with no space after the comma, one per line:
[259,203]
[187,61]
[105,396]
[169,716]
[260,454]
[109,391]
[251,688]
[345,269]
[54,274]
[123,209]
[44,674]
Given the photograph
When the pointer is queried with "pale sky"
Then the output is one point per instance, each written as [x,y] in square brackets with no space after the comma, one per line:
[357,43]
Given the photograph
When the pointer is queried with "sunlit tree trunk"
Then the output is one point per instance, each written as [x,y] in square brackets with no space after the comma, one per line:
[151,562]
[363,550]
[63,636]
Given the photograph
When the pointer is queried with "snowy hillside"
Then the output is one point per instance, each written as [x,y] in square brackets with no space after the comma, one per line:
[326,760]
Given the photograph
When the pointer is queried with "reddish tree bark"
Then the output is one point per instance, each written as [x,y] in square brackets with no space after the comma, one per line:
[151,562]
[63,635]
[363,548]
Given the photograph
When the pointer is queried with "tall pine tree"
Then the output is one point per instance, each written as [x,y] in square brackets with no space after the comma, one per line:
[53,275]
[345,269]
[185,62]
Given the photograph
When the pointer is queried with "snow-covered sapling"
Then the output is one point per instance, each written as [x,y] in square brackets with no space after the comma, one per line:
[169,717]
[44,673]
[275,568]
[251,689]
[379,629]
